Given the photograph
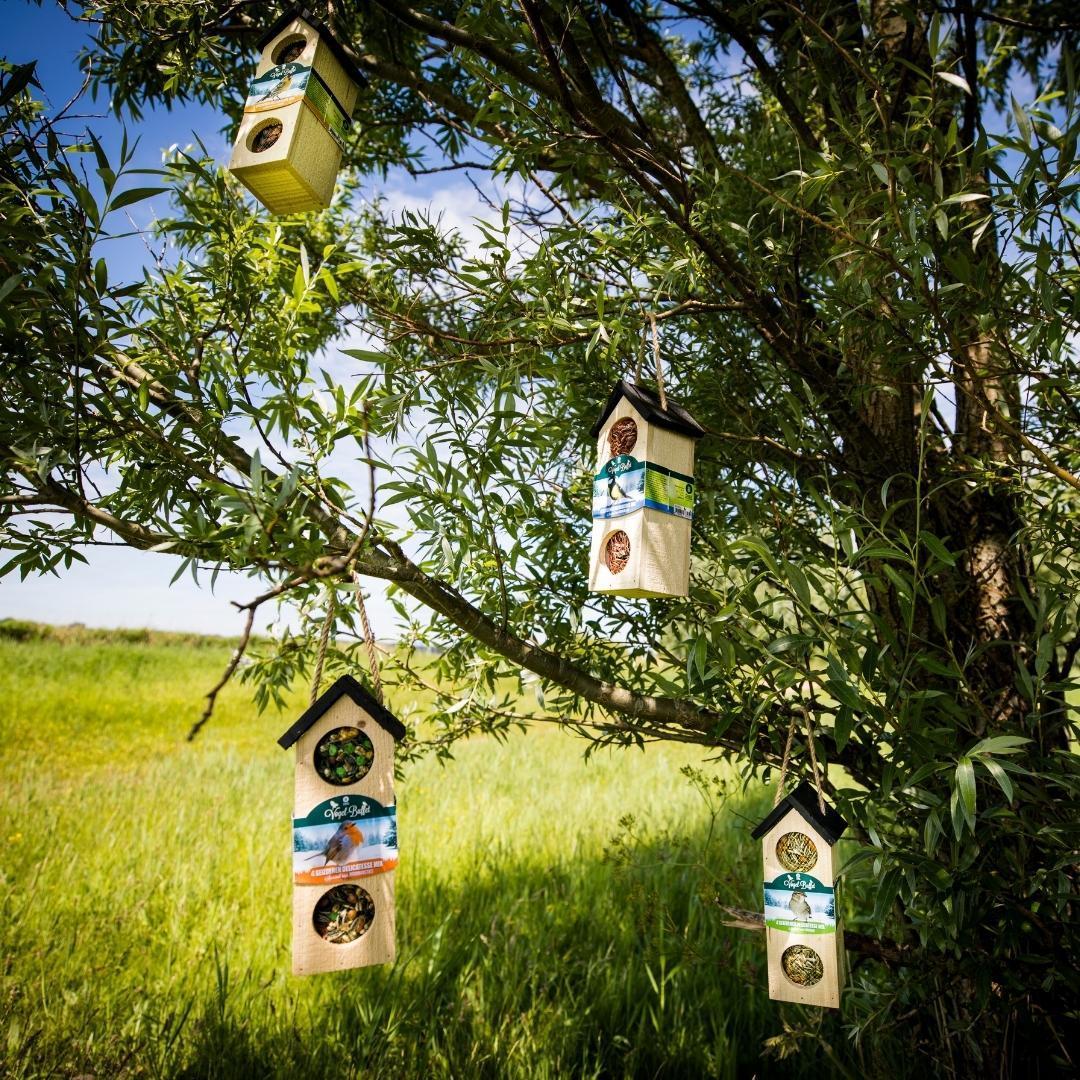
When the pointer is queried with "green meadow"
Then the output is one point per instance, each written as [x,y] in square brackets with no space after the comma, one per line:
[556,916]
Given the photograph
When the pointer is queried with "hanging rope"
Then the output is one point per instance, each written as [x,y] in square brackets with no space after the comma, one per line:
[784,762]
[324,638]
[640,356]
[369,641]
[814,763]
[656,361]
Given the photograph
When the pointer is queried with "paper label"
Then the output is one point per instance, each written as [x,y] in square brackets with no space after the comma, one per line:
[800,904]
[347,837]
[287,83]
[626,484]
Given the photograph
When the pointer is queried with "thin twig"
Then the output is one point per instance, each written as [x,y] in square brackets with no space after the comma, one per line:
[234,661]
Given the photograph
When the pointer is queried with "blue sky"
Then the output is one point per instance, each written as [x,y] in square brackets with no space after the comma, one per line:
[122,587]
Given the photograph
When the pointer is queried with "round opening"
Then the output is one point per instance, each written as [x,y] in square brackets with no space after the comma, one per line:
[802,965]
[622,436]
[617,551]
[796,851]
[344,756]
[289,50]
[266,134]
[343,914]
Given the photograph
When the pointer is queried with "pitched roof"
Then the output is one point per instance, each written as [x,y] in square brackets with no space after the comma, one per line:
[346,685]
[804,799]
[647,403]
[324,31]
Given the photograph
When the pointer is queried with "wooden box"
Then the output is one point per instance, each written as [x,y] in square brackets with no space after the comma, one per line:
[344,831]
[643,495]
[288,149]
[803,932]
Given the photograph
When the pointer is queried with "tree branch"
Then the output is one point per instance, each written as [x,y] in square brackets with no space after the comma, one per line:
[888,952]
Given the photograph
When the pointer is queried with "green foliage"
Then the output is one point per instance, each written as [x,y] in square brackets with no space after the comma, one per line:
[864,281]
[145,930]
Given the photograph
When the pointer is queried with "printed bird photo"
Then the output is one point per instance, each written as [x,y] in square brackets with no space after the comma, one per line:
[346,839]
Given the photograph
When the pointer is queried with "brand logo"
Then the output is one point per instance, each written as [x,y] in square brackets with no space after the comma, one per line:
[336,811]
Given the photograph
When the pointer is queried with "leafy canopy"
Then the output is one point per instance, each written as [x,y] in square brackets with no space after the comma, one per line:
[855,228]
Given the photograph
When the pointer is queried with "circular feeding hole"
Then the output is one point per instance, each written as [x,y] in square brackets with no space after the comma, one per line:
[802,965]
[622,436]
[796,851]
[617,551]
[343,756]
[343,914]
[289,50]
[266,135]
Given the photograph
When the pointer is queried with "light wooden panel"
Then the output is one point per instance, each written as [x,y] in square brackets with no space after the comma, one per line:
[379,781]
[830,947]
[311,952]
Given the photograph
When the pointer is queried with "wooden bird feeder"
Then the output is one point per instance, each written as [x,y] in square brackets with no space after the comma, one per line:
[344,831]
[297,116]
[804,939]
[643,495]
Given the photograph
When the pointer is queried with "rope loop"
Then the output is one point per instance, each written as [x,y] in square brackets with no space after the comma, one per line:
[324,639]
[369,642]
[785,761]
[657,362]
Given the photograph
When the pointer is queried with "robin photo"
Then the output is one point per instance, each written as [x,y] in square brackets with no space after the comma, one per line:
[347,837]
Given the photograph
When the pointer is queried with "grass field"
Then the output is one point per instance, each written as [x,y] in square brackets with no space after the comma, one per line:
[144,898]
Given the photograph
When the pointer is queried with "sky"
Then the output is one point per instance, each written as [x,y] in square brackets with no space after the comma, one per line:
[122,586]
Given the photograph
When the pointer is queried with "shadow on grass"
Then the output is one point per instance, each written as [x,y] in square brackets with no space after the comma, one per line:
[602,968]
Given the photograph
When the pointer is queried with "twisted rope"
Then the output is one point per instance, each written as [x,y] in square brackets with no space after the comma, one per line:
[784,762]
[369,641]
[324,639]
[657,362]
[814,764]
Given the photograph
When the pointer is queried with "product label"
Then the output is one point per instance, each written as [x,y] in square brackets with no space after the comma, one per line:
[351,836]
[286,83]
[800,904]
[625,484]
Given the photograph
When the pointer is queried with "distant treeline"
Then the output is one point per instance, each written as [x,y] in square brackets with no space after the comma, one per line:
[78,634]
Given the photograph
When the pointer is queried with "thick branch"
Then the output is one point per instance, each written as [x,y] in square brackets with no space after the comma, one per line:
[888,952]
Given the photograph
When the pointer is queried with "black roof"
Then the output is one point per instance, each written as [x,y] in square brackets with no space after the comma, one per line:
[324,31]
[804,799]
[361,695]
[647,402]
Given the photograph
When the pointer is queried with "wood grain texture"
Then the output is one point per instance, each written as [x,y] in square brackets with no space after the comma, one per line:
[829,947]
[297,174]
[659,563]
[311,953]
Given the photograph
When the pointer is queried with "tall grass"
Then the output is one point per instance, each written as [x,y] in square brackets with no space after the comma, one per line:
[144,898]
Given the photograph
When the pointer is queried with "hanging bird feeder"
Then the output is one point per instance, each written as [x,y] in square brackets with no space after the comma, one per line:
[345,844]
[297,116]
[804,939]
[643,495]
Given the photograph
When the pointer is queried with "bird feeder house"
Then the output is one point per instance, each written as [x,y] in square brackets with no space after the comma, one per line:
[804,940]
[297,116]
[345,844]
[643,495]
